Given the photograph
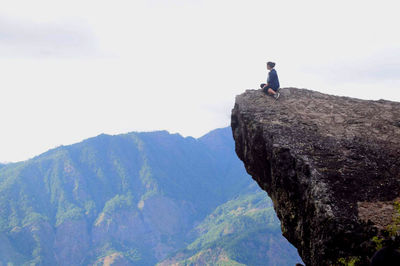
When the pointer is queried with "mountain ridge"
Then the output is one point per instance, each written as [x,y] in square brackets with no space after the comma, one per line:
[131,198]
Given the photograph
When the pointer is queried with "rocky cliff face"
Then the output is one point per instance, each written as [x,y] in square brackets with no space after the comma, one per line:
[330,164]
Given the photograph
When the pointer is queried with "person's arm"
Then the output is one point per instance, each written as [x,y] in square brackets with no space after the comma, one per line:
[272,77]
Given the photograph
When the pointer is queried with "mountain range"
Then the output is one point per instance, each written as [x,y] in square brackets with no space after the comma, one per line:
[139,198]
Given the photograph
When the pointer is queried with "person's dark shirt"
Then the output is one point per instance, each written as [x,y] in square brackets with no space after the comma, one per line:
[273,81]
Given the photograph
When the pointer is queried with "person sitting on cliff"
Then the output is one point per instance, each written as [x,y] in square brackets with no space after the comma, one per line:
[272,86]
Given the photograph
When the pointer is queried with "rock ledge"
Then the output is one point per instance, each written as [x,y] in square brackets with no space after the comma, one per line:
[330,164]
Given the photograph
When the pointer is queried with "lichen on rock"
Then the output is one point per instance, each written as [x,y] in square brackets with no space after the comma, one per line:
[329,163]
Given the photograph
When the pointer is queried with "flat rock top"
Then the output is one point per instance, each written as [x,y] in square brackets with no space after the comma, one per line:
[341,117]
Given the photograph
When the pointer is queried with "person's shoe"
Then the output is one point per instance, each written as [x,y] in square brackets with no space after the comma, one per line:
[276,95]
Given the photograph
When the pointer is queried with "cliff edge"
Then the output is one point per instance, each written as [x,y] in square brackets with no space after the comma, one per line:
[330,164]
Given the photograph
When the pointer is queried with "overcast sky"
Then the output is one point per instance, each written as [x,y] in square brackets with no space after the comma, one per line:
[75,69]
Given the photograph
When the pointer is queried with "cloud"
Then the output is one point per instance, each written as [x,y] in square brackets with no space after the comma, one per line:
[72,38]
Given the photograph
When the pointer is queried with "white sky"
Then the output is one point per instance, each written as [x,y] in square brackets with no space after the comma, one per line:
[74,69]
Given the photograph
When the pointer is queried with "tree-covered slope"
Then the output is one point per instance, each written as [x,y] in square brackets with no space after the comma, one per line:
[243,231]
[129,199]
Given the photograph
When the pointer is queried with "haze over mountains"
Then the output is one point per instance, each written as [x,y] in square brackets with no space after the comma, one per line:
[138,199]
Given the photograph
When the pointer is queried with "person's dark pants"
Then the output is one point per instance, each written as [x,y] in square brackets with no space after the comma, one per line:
[265,89]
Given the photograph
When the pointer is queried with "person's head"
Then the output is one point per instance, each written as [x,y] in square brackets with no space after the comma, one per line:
[270,65]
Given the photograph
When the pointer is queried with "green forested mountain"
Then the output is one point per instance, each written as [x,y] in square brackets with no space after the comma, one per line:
[242,231]
[136,199]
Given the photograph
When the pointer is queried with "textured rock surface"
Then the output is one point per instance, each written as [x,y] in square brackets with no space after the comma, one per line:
[330,164]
